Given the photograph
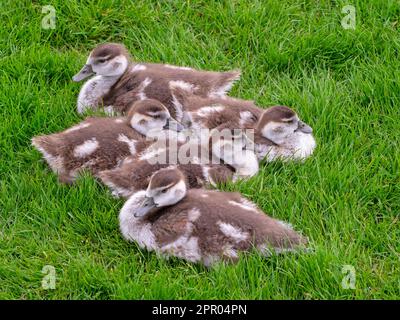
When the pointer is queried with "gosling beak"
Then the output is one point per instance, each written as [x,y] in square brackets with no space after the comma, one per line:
[145,207]
[174,125]
[85,72]
[304,127]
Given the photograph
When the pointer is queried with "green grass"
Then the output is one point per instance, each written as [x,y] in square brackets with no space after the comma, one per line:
[346,197]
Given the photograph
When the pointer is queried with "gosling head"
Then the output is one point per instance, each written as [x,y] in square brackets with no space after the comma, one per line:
[108,59]
[167,187]
[151,117]
[278,123]
[236,149]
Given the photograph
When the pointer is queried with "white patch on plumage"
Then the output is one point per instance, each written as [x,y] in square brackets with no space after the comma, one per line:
[77,127]
[87,148]
[194,214]
[249,204]
[176,67]
[189,87]
[232,232]
[131,143]
[209,110]
[221,91]
[186,246]
[127,160]
[244,206]
[138,67]
[141,94]
[178,108]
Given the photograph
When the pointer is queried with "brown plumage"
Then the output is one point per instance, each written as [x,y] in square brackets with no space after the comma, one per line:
[200,164]
[128,88]
[60,149]
[129,81]
[134,174]
[98,144]
[213,112]
[277,131]
[199,225]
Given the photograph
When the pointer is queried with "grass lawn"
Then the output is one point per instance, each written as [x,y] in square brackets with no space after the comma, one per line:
[346,198]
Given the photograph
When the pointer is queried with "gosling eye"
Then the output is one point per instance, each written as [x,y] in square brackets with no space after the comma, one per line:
[164,191]
[101,60]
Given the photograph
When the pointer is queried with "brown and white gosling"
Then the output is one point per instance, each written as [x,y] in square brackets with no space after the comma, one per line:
[119,81]
[201,226]
[99,143]
[207,166]
[278,131]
